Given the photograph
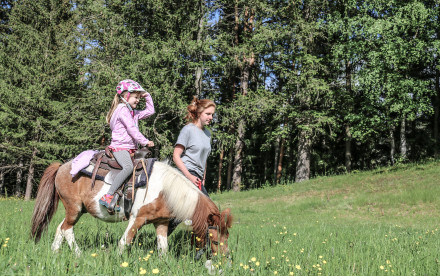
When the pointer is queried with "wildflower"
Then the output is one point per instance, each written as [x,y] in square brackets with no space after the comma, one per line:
[5,245]
[245,267]
[241,264]
[253,259]
[257,263]
[388,262]
[142,271]
[291,273]
[93,254]
[381,267]
[155,271]
[7,239]
[324,262]
[294,234]
[221,244]
[151,251]
[298,267]
[124,264]
[273,258]
[320,257]
[275,272]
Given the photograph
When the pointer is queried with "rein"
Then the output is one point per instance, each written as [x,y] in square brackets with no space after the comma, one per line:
[208,242]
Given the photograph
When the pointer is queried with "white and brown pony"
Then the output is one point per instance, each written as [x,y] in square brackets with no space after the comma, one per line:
[169,195]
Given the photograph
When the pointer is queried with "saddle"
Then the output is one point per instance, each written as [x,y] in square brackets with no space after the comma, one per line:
[104,166]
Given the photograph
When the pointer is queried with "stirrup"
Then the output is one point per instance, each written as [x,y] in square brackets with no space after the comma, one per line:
[112,207]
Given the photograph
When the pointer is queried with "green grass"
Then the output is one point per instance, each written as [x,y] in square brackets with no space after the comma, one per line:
[382,222]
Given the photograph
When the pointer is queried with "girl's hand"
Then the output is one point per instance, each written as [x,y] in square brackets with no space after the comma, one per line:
[146,95]
[150,144]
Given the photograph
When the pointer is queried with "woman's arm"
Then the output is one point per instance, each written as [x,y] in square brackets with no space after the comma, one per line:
[178,150]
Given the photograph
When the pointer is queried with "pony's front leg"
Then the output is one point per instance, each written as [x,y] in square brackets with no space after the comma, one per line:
[134,224]
[162,237]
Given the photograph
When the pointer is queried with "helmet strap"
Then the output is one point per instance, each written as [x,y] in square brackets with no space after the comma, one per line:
[127,104]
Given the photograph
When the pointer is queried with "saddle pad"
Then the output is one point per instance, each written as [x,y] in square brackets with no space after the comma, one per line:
[140,181]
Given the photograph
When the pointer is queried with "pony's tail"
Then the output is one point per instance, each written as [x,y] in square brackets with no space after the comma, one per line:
[46,202]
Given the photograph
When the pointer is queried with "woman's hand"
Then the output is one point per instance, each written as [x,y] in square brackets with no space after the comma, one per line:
[195,180]
[150,144]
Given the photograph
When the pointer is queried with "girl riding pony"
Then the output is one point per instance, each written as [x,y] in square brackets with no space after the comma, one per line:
[126,137]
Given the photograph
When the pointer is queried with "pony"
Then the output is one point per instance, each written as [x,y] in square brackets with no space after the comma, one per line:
[168,194]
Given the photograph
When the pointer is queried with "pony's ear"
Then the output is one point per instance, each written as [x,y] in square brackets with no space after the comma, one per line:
[213,219]
[227,218]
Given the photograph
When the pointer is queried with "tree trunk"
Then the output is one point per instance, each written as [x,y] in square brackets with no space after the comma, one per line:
[347,148]
[2,180]
[436,112]
[347,126]
[238,159]
[30,176]
[303,162]
[230,166]
[199,68]
[280,161]
[403,147]
[18,189]
[392,146]
[220,166]
[275,161]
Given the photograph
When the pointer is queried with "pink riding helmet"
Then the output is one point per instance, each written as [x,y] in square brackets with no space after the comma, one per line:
[130,86]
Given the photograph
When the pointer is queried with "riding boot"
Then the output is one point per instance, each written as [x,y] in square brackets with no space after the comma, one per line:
[111,207]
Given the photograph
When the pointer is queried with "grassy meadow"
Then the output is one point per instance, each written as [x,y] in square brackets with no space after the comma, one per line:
[382,222]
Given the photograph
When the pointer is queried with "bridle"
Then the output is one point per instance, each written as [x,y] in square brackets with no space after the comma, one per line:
[208,242]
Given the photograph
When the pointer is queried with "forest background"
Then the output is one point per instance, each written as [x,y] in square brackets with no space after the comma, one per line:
[303,88]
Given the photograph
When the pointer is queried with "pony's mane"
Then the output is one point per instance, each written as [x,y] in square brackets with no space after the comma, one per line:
[180,194]
[185,200]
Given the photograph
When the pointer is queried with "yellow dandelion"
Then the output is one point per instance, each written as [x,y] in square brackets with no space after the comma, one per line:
[251,270]
[197,238]
[257,263]
[294,234]
[151,251]
[253,259]
[245,267]
[381,267]
[319,268]
[291,273]
[93,254]
[124,264]
[142,271]
[273,258]
[388,262]
[275,272]
[7,239]
[320,257]
[210,234]
[221,244]
[5,245]
[241,264]
[277,242]
[155,271]
[324,262]
[298,267]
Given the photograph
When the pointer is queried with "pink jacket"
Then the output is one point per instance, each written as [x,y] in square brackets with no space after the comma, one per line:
[124,126]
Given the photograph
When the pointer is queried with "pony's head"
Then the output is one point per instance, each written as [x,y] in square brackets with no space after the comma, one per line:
[218,232]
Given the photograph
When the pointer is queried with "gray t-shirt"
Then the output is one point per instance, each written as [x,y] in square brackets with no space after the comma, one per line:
[197,144]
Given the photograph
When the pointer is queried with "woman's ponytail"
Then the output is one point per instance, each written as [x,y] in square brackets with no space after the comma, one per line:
[196,107]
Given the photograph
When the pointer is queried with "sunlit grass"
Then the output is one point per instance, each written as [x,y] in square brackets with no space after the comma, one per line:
[370,223]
